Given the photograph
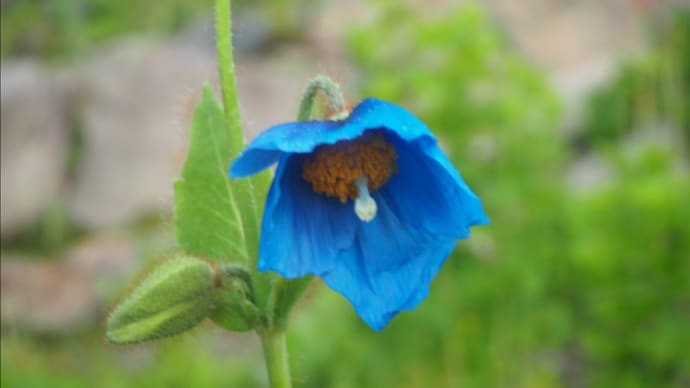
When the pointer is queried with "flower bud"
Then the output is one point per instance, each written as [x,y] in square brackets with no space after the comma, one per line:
[177,296]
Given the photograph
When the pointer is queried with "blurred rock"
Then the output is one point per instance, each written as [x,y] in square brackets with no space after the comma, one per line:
[56,296]
[270,88]
[251,31]
[107,261]
[561,34]
[132,104]
[136,104]
[327,35]
[577,43]
[45,296]
[33,141]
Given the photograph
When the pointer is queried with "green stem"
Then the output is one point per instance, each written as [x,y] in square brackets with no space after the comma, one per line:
[275,354]
[273,339]
[329,88]
[226,65]
[283,294]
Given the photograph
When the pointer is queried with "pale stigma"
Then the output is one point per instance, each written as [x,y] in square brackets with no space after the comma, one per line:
[365,206]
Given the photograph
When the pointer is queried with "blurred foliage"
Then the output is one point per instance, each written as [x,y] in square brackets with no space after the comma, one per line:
[73,362]
[629,275]
[565,287]
[63,28]
[650,90]
[50,28]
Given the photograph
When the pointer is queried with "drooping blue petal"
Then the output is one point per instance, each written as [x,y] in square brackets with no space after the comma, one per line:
[302,232]
[304,136]
[267,148]
[249,163]
[428,192]
[389,267]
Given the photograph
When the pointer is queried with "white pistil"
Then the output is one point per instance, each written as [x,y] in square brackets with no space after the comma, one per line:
[365,206]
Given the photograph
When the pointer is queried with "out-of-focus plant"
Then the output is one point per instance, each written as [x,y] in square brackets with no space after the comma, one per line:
[79,361]
[628,284]
[649,91]
[631,237]
[64,28]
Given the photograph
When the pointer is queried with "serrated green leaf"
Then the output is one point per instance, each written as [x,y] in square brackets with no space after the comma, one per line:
[216,217]
[174,298]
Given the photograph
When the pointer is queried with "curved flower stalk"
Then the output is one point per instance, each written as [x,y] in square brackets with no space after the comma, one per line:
[369,203]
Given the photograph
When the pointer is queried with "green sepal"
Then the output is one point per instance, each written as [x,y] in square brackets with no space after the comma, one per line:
[177,296]
[234,306]
[288,293]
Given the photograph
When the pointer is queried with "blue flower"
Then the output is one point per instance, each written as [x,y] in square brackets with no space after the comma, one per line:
[370,204]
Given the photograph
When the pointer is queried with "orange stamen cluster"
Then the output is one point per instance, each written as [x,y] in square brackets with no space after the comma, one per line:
[332,169]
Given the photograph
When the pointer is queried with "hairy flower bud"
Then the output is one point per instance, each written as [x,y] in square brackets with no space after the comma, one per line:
[177,296]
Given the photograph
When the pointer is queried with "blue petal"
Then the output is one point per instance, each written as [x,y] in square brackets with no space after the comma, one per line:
[268,147]
[389,267]
[302,232]
[428,192]
[304,136]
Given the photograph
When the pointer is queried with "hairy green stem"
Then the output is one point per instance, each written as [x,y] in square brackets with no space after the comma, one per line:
[275,354]
[226,65]
[329,88]
[273,339]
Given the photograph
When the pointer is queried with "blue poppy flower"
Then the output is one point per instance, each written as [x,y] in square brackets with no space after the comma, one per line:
[369,203]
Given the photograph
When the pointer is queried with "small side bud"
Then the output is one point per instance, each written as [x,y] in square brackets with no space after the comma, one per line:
[177,296]
[233,301]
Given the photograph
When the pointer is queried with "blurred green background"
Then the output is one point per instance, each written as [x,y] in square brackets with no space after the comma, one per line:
[571,120]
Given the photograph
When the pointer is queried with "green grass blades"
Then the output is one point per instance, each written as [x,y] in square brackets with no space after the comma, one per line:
[174,298]
[216,217]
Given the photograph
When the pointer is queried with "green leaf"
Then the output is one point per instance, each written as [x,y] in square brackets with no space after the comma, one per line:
[216,217]
[177,296]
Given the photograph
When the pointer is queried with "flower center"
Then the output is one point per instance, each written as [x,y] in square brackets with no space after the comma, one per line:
[350,169]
